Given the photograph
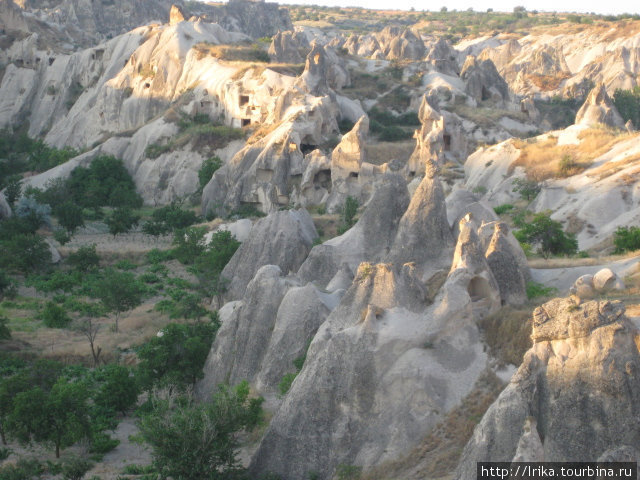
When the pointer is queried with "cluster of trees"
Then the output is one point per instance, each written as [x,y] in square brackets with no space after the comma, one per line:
[628,104]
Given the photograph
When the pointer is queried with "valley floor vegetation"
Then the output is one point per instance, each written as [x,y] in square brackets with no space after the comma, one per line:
[71,405]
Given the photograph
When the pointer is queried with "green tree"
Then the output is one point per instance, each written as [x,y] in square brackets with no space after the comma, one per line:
[121,220]
[119,389]
[189,244]
[5,333]
[208,266]
[5,282]
[13,189]
[349,211]
[628,104]
[199,440]
[24,253]
[119,292]
[69,216]
[55,316]
[626,239]
[84,258]
[207,169]
[177,355]
[59,417]
[548,235]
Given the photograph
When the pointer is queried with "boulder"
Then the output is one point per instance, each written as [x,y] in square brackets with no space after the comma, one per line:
[578,382]
[598,108]
[282,238]
[605,280]
[444,57]
[583,287]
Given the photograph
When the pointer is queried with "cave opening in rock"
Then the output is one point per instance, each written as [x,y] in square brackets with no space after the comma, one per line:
[244,99]
[478,289]
[485,94]
[322,179]
[246,122]
[307,148]
[353,175]
[147,85]
[446,138]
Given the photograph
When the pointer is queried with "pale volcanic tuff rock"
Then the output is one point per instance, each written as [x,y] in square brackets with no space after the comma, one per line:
[237,351]
[603,281]
[286,47]
[369,239]
[392,43]
[5,209]
[362,413]
[598,108]
[424,235]
[254,18]
[504,265]
[566,63]
[283,238]
[443,57]
[483,82]
[584,355]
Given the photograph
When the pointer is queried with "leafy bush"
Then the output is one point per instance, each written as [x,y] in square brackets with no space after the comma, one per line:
[348,214]
[105,182]
[548,235]
[84,258]
[121,220]
[285,383]
[154,150]
[119,389]
[75,468]
[54,316]
[528,189]
[626,239]
[207,169]
[246,210]
[504,208]
[199,440]
[33,212]
[5,333]
[628,104]
[535,290]
[169,218]
[102,443]
[348,472]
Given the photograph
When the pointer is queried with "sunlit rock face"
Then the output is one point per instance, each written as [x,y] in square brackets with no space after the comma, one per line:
[575,396]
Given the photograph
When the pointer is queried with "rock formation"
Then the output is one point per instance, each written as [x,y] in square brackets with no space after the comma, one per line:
[602,282]
[5,209]
[282,239]
[286,47]
[598,108]
[583,355]
[483,82]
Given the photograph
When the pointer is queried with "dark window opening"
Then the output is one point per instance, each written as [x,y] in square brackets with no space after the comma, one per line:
[447,142]
[38,60]
[523,109]
[19,62]
[485,94]
[323,179]
[246,122]
[307,148]
[147,85]
[51,60]
[353,175]
[412,174]
[244,99]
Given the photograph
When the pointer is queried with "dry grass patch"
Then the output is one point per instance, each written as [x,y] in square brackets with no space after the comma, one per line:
[508,334]
[439,453]
[544,158]
[382,152]
[487,117]
[548,82]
